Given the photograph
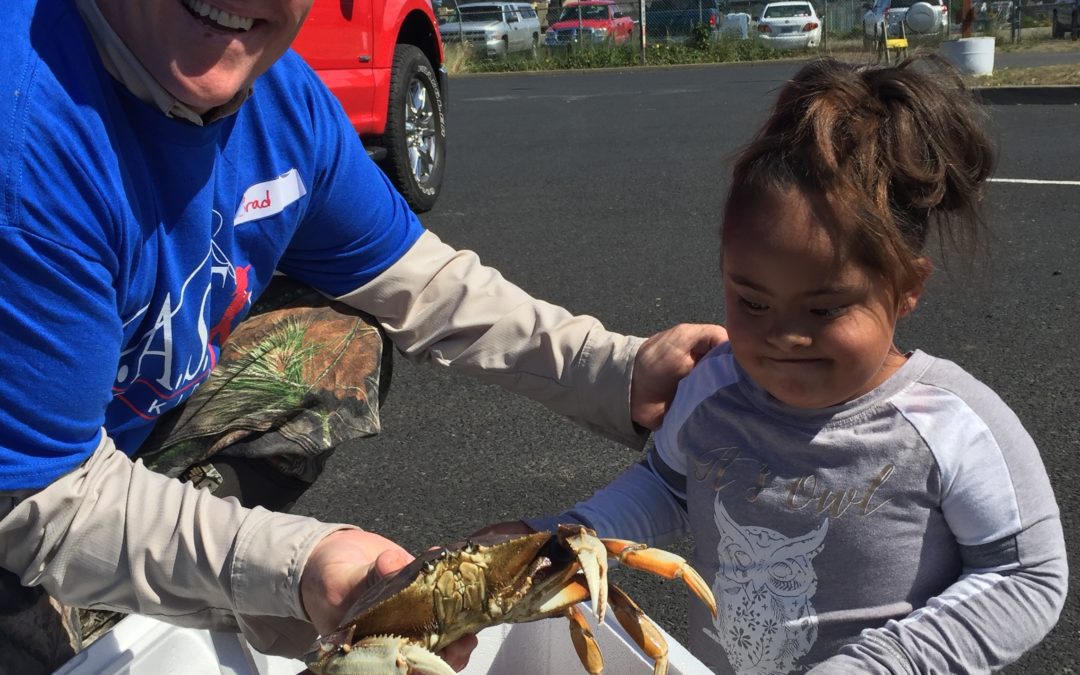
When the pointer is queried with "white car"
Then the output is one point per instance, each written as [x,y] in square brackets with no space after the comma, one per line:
[493,28]
[790,24]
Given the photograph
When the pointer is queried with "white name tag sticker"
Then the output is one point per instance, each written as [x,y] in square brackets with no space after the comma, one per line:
[268,198]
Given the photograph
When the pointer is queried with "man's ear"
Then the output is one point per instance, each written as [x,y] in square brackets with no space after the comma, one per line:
[910,297]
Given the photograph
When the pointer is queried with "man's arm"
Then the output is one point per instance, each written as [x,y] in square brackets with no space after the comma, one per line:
[442,305]
[115,535]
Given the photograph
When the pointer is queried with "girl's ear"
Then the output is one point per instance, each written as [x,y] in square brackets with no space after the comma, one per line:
[910,297]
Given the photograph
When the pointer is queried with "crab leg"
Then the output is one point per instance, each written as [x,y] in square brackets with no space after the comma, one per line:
[385,654]
[640,628]
[592,556]
[661,563]
[571,594]
[584,642]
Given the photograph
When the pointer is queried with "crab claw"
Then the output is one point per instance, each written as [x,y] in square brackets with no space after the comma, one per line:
[661,563]
[592,556]
[385,654]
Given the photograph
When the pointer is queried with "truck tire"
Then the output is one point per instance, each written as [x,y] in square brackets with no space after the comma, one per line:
[415,136]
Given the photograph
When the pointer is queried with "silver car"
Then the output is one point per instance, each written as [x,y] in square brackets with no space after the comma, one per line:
[493,28]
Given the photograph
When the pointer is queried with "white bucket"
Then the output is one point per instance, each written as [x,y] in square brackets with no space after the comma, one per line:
[971,56]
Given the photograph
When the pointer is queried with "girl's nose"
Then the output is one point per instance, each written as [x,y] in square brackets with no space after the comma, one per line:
[788,335]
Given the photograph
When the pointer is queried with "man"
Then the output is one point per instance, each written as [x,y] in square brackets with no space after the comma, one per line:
[162,160]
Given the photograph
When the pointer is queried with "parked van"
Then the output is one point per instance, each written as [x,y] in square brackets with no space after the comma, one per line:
[493,28]
[1065,19]
[675,20]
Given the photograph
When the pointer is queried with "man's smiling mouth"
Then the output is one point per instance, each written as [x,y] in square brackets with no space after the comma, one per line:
[217,18]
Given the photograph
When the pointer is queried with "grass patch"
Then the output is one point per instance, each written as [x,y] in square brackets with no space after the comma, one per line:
[1041,75]
[460,59]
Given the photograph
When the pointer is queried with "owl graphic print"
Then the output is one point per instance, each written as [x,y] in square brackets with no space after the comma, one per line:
[765,589]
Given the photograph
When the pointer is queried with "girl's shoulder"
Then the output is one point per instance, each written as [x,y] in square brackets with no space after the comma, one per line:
[950,404]
[951,377]
[715,370]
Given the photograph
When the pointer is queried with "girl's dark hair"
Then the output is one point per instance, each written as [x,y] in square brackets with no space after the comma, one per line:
[880,153]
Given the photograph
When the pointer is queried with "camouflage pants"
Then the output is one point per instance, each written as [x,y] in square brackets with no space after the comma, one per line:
[298,377]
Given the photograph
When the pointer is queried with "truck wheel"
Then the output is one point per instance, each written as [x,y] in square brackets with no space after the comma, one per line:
[415,137]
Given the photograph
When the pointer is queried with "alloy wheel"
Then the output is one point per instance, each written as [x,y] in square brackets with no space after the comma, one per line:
[420,131]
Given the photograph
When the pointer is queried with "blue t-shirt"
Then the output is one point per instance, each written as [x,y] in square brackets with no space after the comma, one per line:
[132,243]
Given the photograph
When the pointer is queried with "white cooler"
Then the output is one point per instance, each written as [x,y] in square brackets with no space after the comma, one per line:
[142,646]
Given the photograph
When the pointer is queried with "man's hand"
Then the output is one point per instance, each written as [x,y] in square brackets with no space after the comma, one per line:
[344,565]
[661,362]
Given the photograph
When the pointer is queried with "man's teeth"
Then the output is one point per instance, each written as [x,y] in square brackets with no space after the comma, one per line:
[222,18]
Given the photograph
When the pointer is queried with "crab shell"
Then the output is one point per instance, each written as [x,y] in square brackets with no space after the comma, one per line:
[449,592]
[400,624]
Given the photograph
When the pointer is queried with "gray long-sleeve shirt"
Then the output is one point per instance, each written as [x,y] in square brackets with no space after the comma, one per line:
[912,530]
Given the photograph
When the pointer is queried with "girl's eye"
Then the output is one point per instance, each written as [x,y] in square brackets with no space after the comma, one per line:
[753,307]
[831,312]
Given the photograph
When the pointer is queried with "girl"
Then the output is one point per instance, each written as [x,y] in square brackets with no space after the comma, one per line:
[857,508]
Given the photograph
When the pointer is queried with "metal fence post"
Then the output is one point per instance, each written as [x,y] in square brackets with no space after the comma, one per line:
[825,28]
[641,13]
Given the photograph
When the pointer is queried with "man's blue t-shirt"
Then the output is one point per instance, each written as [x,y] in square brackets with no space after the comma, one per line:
[132,243]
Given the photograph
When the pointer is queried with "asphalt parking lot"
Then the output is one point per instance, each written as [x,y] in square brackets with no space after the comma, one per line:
[601,191]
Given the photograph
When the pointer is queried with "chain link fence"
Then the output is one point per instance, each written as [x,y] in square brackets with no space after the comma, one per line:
[623,32]
[548,27]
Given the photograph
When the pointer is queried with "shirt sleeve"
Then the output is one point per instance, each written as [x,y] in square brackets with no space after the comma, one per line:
[639,505]
[114,535]
[442,305]
[999,503]
[357,224]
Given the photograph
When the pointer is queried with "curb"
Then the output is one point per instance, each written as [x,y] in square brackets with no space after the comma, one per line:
[1063,94]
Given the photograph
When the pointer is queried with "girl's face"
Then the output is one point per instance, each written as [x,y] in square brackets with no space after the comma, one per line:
[810,331]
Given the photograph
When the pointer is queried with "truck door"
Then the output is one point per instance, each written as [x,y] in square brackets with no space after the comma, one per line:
[338,43]
[513,36]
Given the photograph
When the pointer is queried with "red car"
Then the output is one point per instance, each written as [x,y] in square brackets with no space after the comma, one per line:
[384,61]
[590,22]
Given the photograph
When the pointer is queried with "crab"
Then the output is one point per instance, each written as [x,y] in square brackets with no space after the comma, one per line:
[400,624]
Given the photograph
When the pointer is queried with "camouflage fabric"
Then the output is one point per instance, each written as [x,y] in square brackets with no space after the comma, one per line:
[298,377]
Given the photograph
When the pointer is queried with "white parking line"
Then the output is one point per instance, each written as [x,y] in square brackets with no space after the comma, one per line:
[1032,181]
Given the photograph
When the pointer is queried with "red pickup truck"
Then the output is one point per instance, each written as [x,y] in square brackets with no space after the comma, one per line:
[590,21]
[384,61]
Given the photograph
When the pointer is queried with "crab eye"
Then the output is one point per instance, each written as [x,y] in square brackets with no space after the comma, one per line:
[470,546]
